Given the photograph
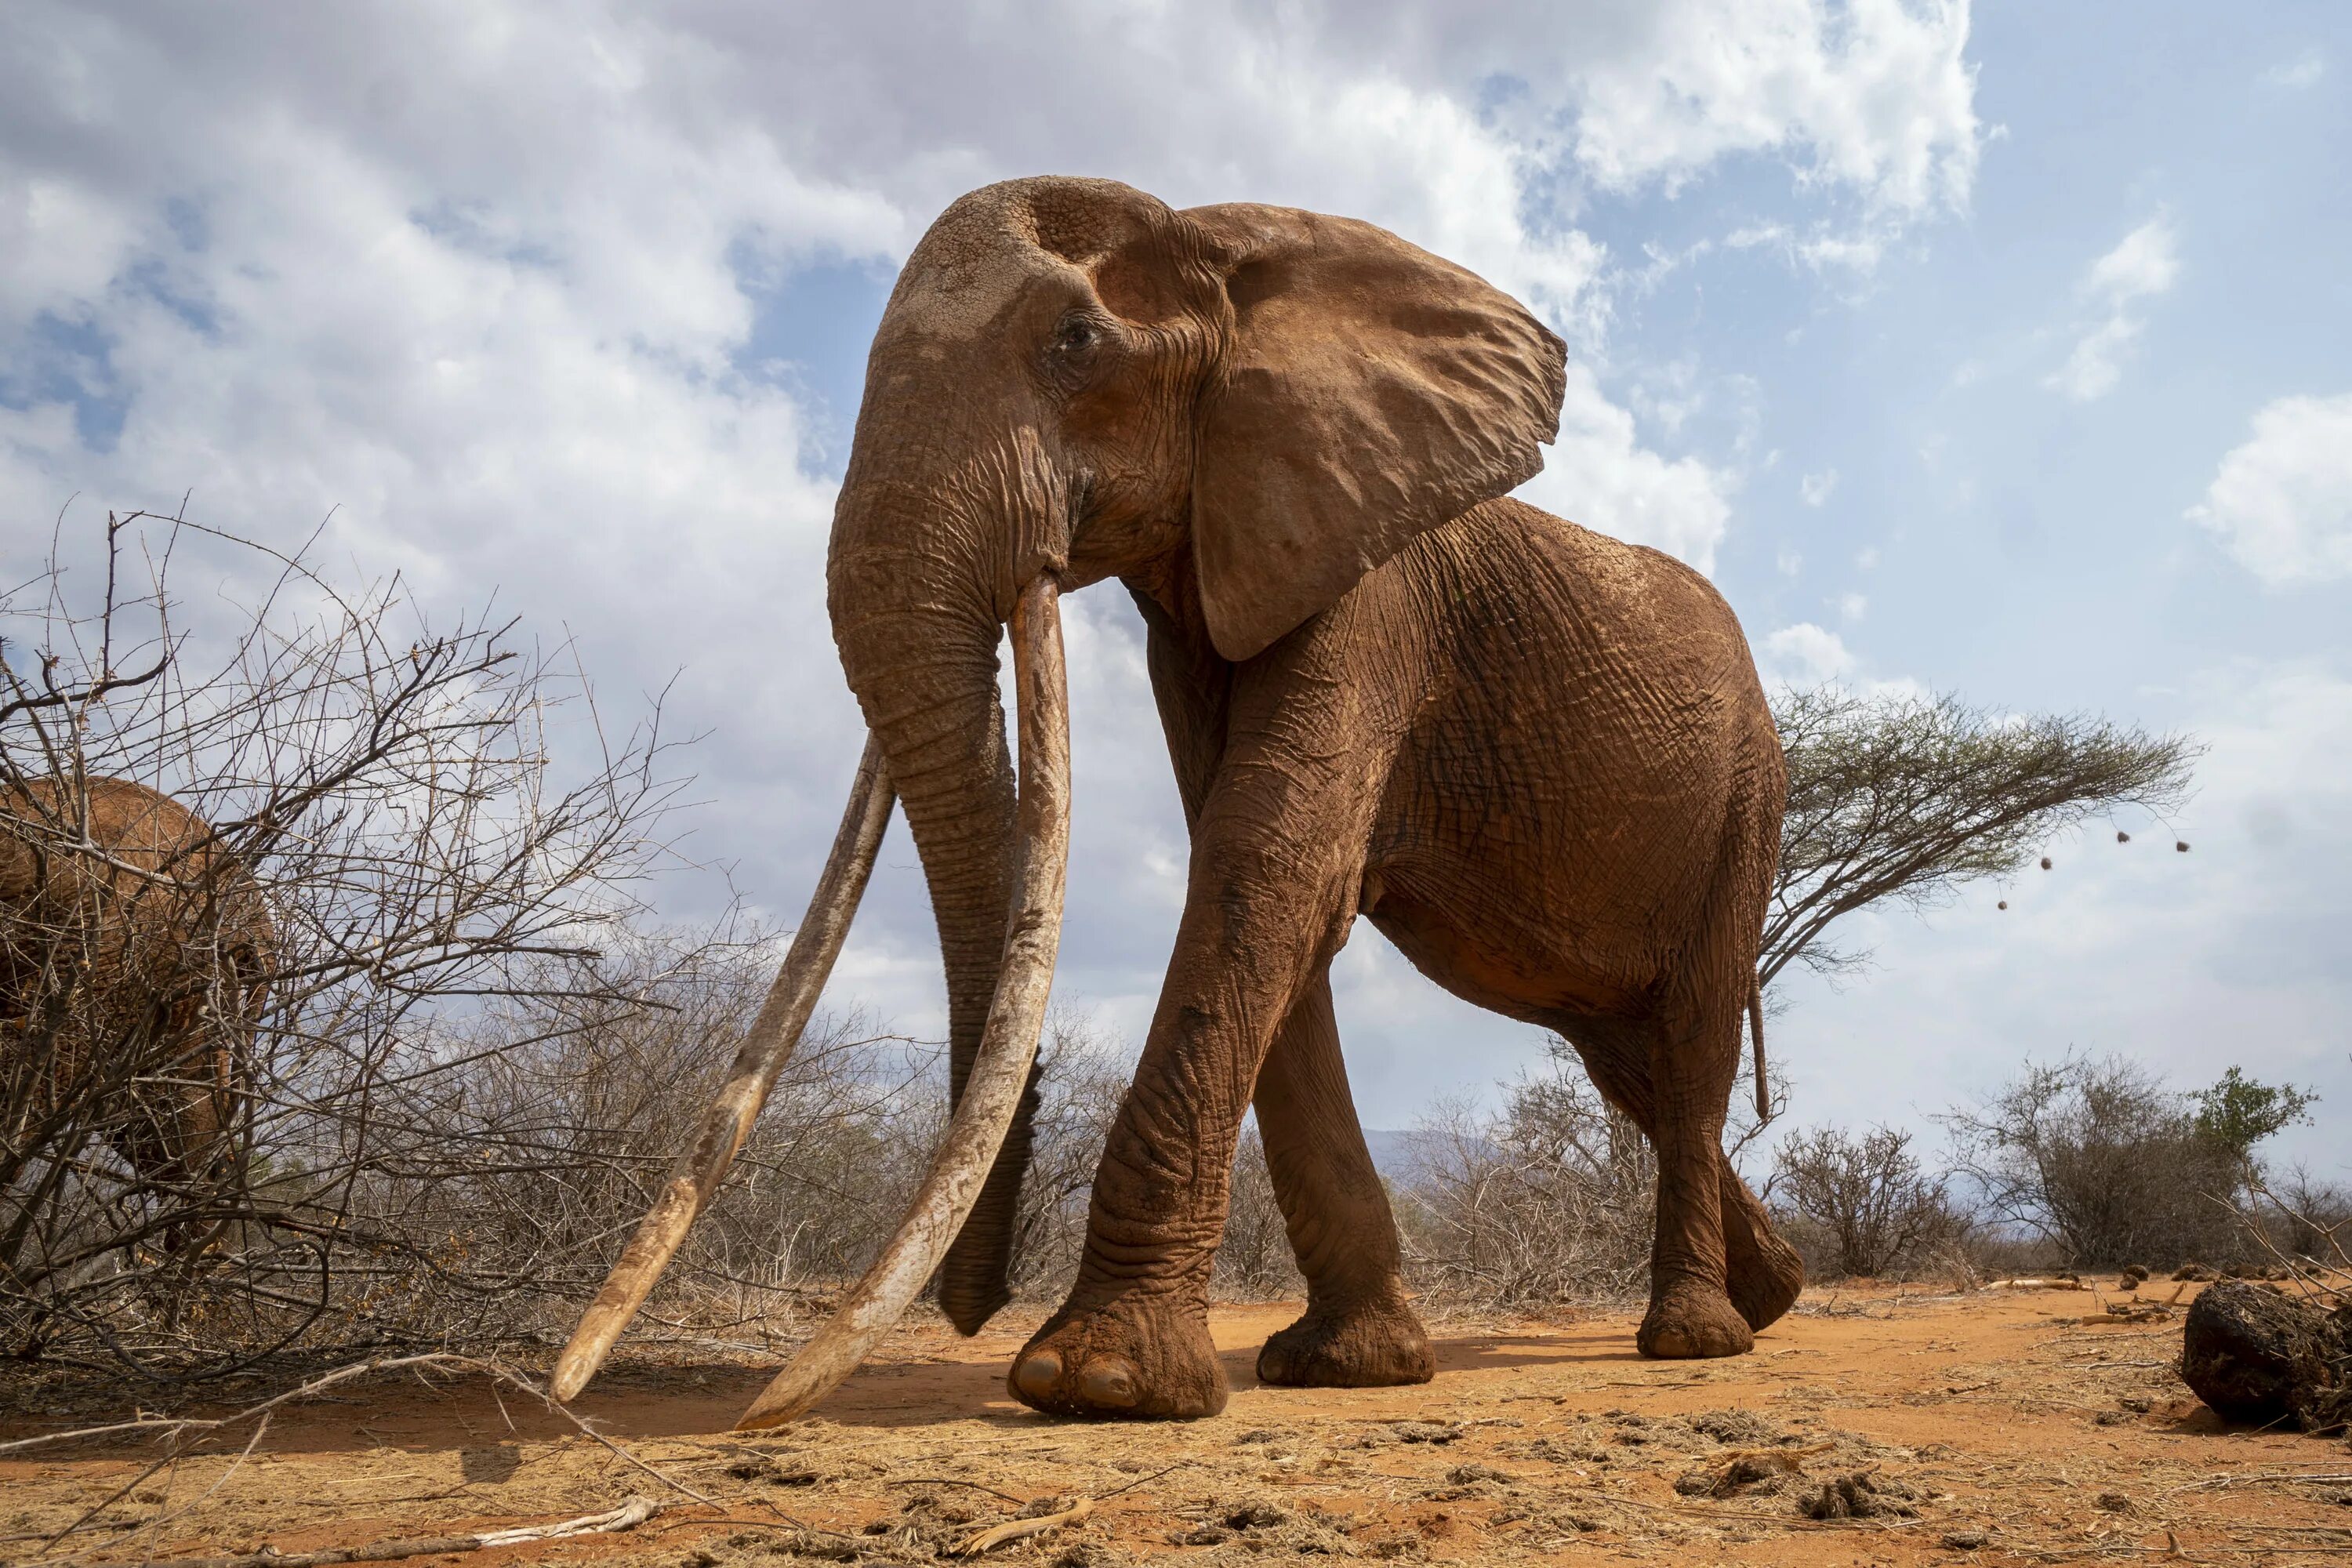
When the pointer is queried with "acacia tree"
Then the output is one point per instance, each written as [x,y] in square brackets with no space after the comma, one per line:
[1910,799]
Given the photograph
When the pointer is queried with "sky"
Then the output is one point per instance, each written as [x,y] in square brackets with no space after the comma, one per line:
[2002,350]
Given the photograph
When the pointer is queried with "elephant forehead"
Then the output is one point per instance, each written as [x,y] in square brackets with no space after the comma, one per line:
[965,286]
[994,246]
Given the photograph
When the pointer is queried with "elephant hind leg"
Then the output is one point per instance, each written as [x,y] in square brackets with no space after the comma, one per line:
[1762,1274]
[1694,1050]
[1358,1330]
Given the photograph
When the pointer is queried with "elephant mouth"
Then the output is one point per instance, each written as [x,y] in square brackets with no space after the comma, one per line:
[992,1094]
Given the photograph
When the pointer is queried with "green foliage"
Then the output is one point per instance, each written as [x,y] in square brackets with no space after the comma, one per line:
[2237,1113]
[2104,1159]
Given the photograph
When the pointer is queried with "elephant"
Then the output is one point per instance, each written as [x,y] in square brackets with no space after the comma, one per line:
[134,959]
[1537,758]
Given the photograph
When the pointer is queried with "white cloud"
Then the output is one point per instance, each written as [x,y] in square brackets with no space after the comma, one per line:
[1816,489]
[2143,264]
[1787,562]
[2092,371]
[1853,606]
[2145,261]
[2280,502]
[2303,70]
[484,279]
[1867,559]
[1874,95]
[1806,654]
[1598,475]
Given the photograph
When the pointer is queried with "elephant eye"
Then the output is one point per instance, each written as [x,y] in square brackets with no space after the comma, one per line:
[1075,336]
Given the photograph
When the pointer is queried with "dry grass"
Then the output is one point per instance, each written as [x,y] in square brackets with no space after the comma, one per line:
[2003,1423]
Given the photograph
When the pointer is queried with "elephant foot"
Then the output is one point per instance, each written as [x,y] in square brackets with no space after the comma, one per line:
[1692,1322]
[1764,1276]
[1376,1346]
[1134,1357]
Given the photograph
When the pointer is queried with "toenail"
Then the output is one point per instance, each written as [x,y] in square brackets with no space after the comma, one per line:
[1108,1382]
[1036,1375]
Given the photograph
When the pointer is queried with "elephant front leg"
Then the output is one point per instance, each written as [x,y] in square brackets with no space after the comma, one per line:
[1358,1332]
[1261,919]
[1132,1339]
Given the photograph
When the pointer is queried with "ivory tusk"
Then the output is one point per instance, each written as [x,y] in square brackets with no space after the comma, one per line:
[768,1046]
[1000,1070]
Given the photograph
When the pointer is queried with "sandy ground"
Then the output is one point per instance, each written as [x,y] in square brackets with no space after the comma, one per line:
[2001,1427]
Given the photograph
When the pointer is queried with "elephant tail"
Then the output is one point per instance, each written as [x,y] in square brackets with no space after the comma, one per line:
[1755,1027]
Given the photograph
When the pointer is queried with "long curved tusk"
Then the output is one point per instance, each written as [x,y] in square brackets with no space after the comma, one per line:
[1000,1070]
[768,1046]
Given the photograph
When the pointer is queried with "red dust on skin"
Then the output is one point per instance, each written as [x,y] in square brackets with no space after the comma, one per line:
[1539,758]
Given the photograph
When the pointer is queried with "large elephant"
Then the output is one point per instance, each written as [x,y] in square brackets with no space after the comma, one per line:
[1537,758]
[134,958]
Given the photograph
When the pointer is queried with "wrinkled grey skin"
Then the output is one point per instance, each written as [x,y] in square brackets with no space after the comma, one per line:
[1537,758]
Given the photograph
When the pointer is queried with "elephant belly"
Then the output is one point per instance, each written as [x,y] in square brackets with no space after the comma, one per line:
[1554,820]
[1517,978]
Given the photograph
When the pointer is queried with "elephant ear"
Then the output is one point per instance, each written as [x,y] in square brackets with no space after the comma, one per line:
[1370,392]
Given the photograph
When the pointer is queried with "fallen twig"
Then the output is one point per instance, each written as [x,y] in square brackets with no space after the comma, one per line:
[113,1498]
[176,1427]
[2264,1477]
[1021,1529]
[1105,1497]
[220,1481]
[631,1512]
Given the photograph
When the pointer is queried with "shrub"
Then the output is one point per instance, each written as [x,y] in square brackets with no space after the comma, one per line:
[1552,1200]
[2113,1166]
[1860,1207]
[1254,1261]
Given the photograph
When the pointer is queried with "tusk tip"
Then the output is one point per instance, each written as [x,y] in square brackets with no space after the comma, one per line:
[762,1415]
[569,1380]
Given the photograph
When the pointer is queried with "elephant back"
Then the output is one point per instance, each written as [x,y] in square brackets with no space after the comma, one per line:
[126,930]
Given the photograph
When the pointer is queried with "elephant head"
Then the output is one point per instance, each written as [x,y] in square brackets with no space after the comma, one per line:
[1244,408]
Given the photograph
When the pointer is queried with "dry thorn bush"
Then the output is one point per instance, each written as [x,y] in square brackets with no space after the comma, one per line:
[464,1067]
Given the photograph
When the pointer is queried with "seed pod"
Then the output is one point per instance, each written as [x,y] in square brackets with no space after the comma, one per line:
[2002,905]
[2121,836]
[2180,846]
[2045,862]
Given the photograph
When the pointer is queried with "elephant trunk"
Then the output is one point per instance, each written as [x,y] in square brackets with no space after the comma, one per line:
[917,631]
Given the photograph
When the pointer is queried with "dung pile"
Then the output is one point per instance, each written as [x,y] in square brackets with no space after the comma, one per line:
[2263,1357]
[1861,1495]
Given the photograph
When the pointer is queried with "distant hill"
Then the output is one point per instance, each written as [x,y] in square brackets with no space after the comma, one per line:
[1393,1152]
[1396,1152]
